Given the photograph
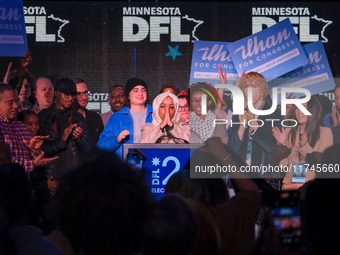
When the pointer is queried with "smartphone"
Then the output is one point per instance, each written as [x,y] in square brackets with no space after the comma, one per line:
[287,220]
[229,185]
[299,173]
[135,160]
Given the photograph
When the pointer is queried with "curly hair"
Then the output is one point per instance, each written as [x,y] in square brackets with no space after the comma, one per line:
[254,79]
[203,86]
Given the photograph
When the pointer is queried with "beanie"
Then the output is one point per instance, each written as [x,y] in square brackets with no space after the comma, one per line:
[66,85]
[133,82]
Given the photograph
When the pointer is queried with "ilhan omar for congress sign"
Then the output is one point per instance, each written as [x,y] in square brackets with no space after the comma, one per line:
[271,52]
[13,40]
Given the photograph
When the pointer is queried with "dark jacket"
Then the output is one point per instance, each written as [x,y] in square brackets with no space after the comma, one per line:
[94,125]
[53,123]
[263,143]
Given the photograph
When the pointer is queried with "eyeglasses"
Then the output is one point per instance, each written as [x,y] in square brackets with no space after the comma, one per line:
[183,108]
[68,95]
[120,96]
[10,103]
[85,93]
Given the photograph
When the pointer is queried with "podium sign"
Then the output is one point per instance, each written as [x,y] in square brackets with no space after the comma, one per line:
[162,161]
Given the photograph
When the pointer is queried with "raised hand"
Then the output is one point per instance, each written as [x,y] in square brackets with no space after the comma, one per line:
[238,81]
[26,60]
[122,135]
[7,73]
[280,136]
[223,76]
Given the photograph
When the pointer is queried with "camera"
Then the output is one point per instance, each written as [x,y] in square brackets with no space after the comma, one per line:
[136,159]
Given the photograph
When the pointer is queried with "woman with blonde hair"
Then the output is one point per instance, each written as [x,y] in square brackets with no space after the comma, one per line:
[251,135]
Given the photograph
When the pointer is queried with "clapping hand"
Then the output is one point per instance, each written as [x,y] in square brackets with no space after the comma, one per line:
[68,131]
[335,116]
[280,136]
[35,143]
[77,133]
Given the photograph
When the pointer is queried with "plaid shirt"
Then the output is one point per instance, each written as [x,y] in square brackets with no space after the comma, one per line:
[13,133]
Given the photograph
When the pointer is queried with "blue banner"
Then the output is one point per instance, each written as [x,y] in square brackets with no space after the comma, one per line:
[13,40]
[271,52]
[206,57]
[161,163]
[316,75]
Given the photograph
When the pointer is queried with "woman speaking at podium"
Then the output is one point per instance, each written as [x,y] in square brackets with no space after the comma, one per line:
[165,127]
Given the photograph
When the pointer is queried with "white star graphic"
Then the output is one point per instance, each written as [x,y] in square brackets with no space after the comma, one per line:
[155,161]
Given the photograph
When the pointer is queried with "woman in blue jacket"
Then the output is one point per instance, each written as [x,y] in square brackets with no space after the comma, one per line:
[125,125]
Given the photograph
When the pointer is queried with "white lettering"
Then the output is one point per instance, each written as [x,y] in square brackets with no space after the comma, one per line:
[159,11]
[136,29]
[9,14]
[215,53]
[282,11]
[253,47]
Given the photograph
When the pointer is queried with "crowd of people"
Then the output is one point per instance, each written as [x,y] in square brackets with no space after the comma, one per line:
[66,190]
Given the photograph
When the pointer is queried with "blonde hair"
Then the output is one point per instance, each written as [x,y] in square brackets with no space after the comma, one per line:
[254,79]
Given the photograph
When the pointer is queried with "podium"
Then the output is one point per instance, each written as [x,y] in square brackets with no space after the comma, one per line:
[162,161]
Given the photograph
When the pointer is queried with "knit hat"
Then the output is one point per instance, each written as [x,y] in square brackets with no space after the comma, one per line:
[66,85]
[133,82]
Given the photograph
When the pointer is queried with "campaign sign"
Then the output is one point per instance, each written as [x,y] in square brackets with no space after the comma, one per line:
[13,40]
[316,75]
[162,161]
[271,52]
[206,57]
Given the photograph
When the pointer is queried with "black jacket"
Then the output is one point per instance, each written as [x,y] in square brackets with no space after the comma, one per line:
[53,123]
[94,125]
